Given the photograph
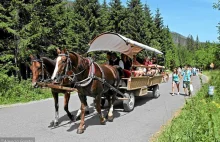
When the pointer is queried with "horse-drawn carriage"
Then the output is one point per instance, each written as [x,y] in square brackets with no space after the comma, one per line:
[70,71]
[130,86]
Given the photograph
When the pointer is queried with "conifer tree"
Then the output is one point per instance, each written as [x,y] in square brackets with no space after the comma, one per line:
[197,43]
[104,18]
[158,21]
[89,12]
[150,27]
[8,38]
[136,24]
[116,17]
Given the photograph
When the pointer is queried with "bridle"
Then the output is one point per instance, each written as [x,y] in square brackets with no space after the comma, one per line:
[73,77]
[43,68]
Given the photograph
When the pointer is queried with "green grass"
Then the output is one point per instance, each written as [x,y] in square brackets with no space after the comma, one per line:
[199,120]
[12,91]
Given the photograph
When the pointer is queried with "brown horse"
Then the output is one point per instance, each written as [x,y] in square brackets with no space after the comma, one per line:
[88,78]
[42,69]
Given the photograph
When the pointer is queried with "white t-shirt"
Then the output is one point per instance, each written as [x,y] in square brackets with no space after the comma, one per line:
[121,64]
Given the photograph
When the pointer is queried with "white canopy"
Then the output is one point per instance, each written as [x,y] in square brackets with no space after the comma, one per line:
[118,43]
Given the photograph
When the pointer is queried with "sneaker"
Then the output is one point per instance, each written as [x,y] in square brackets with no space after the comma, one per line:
[172,94]
[178,93]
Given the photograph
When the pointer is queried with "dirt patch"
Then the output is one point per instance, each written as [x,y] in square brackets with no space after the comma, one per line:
[155,136]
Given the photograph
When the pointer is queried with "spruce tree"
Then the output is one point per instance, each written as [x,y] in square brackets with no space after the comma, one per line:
[104,18]
[197,43]
[116,17]
[150,28]
[158,21]
[8,38]
[136,24]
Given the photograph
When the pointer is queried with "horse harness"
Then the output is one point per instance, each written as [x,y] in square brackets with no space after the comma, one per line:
[91,75]
[42,70]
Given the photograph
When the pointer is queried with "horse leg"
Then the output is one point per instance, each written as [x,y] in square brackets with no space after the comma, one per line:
[86,109]
[111,109]
[81,127]
[66,103]
[56,103]
[98,108]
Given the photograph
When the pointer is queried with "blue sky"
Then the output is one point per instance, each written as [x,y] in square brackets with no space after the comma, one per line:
[195,17]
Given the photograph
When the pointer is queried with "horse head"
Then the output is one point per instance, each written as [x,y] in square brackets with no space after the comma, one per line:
[39,70]
[36,68]
[64,67]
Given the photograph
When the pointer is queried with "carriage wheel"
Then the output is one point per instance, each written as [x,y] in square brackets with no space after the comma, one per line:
[156,93]
[129,104]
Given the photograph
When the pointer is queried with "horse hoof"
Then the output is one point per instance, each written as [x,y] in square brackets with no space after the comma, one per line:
[87,112]
[110,118]
[72,118]
[55,124]
[103,122]
[77,118]
[80,131]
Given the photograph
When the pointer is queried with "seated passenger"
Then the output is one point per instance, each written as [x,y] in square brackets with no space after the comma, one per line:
[138,71]
[126,61]
[117,61]
[127,65]
[109,60]
[147,61]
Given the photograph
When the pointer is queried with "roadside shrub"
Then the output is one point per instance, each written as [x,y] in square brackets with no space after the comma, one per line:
[13,91]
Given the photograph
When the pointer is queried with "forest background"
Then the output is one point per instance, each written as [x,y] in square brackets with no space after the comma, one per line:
[39,27]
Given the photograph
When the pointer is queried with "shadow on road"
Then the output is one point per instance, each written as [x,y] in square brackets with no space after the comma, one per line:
[93,118]
[141,100]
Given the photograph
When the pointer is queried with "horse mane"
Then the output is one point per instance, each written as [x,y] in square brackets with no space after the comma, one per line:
[80,60]
[49,63]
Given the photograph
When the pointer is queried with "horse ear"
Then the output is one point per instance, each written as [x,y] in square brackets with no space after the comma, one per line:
[58,50]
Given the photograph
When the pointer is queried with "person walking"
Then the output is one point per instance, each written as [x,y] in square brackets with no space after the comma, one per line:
[187,76]
[175,81]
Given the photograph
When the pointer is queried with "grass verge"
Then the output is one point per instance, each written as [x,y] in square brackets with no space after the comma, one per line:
[199,118]
[12,91]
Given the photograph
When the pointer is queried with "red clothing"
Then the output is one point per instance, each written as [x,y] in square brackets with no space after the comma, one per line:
[148,63]
[127,73]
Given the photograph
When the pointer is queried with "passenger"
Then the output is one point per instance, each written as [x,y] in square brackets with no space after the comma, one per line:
[147,61]
[135,62]
[126,61]
[127,65]
[117,61]
[154,60]
[109,60]
[138,71]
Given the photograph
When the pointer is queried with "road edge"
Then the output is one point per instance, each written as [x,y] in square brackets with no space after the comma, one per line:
[31,102]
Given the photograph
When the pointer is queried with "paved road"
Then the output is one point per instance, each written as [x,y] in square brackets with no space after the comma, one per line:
[32,120]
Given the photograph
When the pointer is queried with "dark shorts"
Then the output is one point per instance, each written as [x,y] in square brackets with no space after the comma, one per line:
[186,84]
[176,82]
